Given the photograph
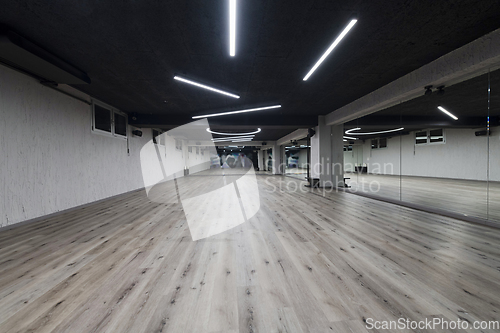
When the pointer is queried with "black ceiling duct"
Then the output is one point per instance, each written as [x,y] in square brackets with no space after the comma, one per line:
[19,53]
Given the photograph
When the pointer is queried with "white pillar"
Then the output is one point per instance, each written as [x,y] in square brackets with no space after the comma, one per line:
[260,160]
[327,154]
[277,159]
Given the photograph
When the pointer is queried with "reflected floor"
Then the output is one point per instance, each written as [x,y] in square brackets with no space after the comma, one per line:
[298,173]
[456,195]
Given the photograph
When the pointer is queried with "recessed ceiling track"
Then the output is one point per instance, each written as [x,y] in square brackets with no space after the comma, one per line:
[20,53]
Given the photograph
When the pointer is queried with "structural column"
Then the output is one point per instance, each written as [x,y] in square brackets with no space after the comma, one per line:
[260,160]
[327,154]
[278,166]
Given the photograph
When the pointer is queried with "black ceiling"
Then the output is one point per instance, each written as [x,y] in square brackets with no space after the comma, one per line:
[131,50]
[470,101]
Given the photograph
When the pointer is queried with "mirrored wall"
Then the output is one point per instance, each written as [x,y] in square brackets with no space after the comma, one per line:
[440,150]
[296,159]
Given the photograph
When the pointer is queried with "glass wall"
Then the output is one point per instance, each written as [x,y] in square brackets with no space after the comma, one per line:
[432,151]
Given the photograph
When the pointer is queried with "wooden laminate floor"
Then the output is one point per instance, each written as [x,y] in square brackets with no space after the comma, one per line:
[303,263]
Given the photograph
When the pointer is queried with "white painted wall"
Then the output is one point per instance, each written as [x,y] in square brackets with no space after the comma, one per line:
[50,160]
[463,156]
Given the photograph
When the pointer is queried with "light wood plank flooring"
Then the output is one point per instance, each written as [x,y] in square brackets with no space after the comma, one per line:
[303,263]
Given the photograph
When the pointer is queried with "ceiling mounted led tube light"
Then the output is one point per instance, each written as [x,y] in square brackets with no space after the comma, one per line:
[330,49]
[178,78]
[371,133]
[241,134]
[234,137]
[447,112]
[232,28]
[237,111]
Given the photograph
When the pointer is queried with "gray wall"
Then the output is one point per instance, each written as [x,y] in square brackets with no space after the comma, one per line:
[50,158]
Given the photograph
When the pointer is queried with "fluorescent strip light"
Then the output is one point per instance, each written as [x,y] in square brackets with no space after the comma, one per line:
[350,138]
[242,134]
[370,133]
[225,140]
[232,27]
[234,137]
[447,112]
[330,49]
[178,78]
[344,140]
[239,111]
[241,140]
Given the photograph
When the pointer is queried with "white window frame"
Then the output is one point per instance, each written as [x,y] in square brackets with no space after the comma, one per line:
[112,112]
[428,134]
[378,143]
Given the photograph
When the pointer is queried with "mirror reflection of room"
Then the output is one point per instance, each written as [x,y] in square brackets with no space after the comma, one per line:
[296,159]
[439,150]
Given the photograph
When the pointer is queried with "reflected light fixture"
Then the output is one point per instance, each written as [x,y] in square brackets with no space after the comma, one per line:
[370,133]
[232,27]
[330,49]
[447,112]
[240,134]
[178,78]
[237,111]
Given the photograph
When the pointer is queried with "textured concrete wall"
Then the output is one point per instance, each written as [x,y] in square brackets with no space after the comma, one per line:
[463,156]
[50,160]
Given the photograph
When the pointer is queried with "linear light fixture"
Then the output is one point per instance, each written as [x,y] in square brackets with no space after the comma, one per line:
[238,111]
[370,133]
[350,138]
[330,49]
[234,137]
[244,134]
[232,27]
[178,78]
[226,140]
[447,112]
[241,140]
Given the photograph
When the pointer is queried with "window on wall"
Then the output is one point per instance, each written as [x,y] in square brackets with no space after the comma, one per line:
[106,120]
[120,122]
[102,118]
[190,149]
[432,136]
[379,143]
[382,143]
[347,148]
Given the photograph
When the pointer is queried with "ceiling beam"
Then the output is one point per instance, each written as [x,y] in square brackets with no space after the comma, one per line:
[167,122]
[295,135]
[378,122]
[466,62]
